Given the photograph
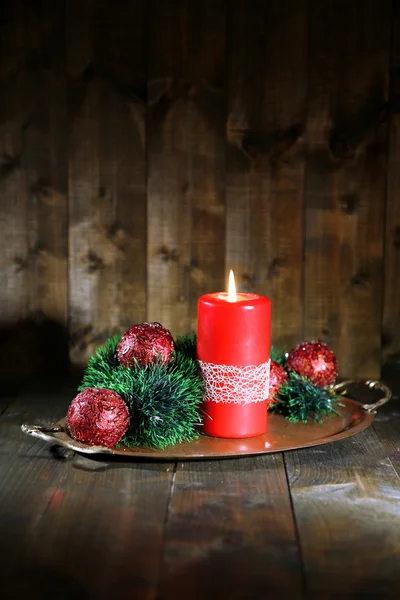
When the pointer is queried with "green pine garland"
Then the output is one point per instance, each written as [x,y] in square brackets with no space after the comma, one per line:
[163,400]
[301,400]
[278,356]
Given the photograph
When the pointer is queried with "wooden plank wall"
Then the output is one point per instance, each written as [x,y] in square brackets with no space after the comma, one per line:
[146,147]
[186,157]
[33,189]
[267,112]
[346,179]
[106,68]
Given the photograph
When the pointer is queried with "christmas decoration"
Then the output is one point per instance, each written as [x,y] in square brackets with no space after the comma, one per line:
[315,361]
[98,417]
[277,378]
[144,344]
[160,384]
[300,400]
[278,356]
[163,399]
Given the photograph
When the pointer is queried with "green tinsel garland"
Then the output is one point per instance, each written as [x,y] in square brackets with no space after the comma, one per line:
[278,356]
[163,400]
[301,400]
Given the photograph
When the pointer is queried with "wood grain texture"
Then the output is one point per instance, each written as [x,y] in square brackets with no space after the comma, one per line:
[346,180]
[345,499]
[230,532]
[387,427]
[186,213]
[34,195]
[80,526]
[391,308]
[387,421]
[45,168]
[13,196]
[13,205]
[162,143]
[237,528]
[107,172]
[267,109]
[23,502]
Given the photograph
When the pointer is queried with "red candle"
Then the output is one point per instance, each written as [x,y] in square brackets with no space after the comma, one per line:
[233,345]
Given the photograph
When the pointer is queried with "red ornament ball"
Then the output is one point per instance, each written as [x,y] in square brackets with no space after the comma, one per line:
[98,417]
[315,361]
[145,343]
[277,378]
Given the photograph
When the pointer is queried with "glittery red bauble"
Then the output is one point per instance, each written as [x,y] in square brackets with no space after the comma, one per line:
[98,417]
[145,343]
[277,378]
[315,361]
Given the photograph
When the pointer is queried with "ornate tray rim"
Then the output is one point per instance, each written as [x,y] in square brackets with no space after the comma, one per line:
[205,447]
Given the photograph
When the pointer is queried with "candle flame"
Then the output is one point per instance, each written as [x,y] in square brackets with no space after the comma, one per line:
[231,288]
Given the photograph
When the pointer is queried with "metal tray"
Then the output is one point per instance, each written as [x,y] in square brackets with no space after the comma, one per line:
[282,435]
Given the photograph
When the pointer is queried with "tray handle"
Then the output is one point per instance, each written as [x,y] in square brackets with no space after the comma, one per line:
[46,433]
[374,385]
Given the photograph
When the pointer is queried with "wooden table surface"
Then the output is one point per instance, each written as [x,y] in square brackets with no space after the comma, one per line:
[319,523]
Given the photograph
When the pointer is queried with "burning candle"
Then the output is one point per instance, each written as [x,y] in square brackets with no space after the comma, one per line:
[233,345]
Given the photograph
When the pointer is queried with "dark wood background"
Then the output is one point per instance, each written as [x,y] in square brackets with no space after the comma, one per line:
[147,146]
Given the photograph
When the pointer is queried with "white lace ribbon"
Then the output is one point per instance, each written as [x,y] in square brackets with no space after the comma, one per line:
[235,385]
